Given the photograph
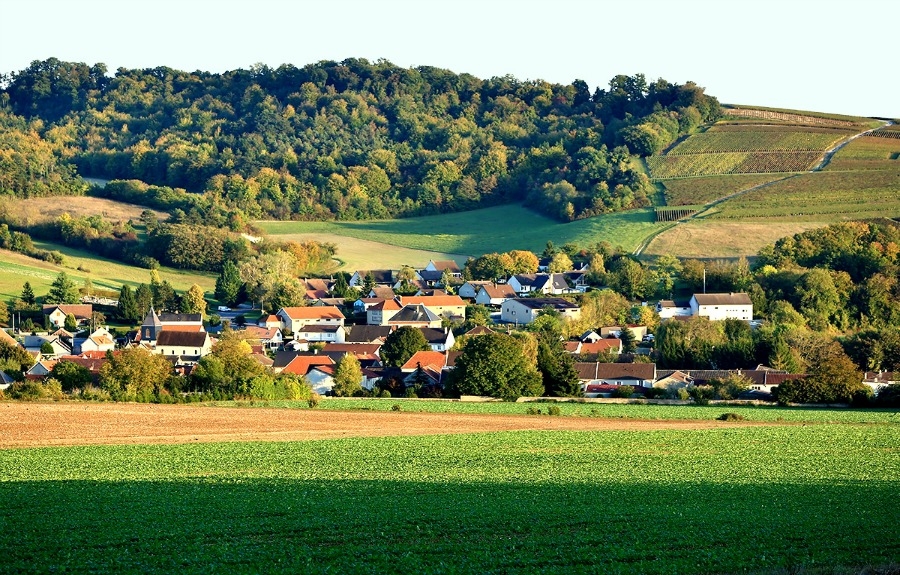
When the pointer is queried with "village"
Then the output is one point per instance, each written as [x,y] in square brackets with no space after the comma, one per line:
[310,341]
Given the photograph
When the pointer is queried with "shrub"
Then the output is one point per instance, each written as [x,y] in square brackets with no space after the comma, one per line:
[888,395]
[553,410]
[411,393]
[682,394]
[313,400]
[532,411]
[624,391]
[385,393]
[28,390]
[701,394]
[396,407]
[731,417]
[93,393]
[655,392]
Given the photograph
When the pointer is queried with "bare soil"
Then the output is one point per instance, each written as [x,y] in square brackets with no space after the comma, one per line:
[55,424]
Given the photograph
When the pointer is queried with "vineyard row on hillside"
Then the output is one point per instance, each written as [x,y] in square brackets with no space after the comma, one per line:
[691,165]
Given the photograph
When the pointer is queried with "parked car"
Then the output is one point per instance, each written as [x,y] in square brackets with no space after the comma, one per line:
[224,308]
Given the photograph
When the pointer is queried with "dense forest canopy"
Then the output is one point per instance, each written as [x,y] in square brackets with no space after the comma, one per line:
[349,140]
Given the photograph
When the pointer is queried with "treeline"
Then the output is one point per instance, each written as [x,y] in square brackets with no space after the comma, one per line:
[353,139]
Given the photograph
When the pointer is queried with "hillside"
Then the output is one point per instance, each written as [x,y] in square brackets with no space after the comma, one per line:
[759,174]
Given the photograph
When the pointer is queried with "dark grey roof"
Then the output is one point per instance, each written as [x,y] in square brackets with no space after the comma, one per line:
[414,313]
[429,275]
[180,317]
[152,319]
[723,299]
[181,338]
[381,276]
[557,303]
[368,333]
[434,335]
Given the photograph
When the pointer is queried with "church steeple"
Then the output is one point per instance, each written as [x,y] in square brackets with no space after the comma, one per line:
[151,327]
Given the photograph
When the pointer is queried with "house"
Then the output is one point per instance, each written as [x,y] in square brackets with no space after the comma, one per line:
[593,348]
[294,319]
[40,370]
[316,289]
[34,343]
[674,380]
[366,353]
[300,364]
[380,277]
[526,310]
[720,306]
[382,292]
[638,331]
[878,379]
[101,340]
[56,313]
[369,333]
[382,312]
[439,339]
[443,305]
[91,361]
[441,265]
[415,315]
[6,338]
[494,294]
[269,337]
[547,284]
[616,374]
[590,335]
[321,379]
[317,332]
[429,365]
[469,290]
[668,308]
[181,319]
[187,347]
[269,320]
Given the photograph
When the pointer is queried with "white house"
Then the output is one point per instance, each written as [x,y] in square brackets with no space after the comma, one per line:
[295,319]
[189,346]
[526,310]
[100,340]
[668,309]
[495,294]
[326,333]
[547,284]
[470,289]
[721,306]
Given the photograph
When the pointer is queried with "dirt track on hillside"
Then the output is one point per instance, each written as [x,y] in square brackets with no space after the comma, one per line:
[50,424]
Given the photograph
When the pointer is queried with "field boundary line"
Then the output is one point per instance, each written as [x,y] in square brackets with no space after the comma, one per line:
[829,154]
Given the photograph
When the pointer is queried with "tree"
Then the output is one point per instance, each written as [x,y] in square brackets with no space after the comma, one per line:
[406,276]
[62,290]
[4,314]
[127,306]
[524,262]
[402,344]
[164,296]
[557,367]
[629,342]
[477,314]
[194,300]
[228,284]
[71,324]
[368,283]
[229,368]
[143,299]
[134,373]
[560,263]
[667,269]
[631,278]
[27,294]
[447,281]
[347,376]
[71,375]
[495,365]
[47,348]
[87,286]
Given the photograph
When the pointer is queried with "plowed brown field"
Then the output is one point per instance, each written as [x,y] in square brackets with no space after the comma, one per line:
[49,424]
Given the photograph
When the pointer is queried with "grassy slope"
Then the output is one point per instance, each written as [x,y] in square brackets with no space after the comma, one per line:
[16,269]
[760,500]
[496,229]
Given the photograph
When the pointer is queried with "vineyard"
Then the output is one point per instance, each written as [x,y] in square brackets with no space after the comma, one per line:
[868,153]
[673,214]
[820,196]
[759,139]
[792,117]
[717,163]
[892,131]
[701,191]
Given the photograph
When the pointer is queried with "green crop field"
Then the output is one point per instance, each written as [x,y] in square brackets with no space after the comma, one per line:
[477,232]
[779,499]
[758,413]
[824,197]
[700,191]
[715,163]
[16,269]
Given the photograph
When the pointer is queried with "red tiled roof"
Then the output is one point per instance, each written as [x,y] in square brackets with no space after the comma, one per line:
[301,364]
[313,312]
[433,300]
[433,360]
[601,345]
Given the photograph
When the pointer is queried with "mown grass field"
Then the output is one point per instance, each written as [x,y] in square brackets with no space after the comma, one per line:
[477,232]
[779,499]
[36,210]
[711,239]
[16,269]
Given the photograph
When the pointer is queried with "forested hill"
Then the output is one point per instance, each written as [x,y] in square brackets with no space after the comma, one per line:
[349,140]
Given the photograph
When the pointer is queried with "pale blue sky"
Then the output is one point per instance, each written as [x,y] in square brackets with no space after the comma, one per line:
[826,55]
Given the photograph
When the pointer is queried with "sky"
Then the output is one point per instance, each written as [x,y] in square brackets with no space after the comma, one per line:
[819,55]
